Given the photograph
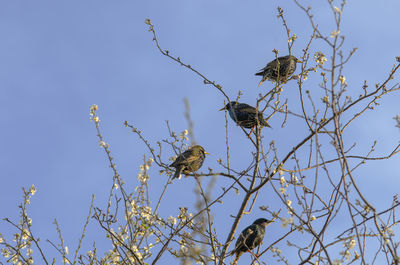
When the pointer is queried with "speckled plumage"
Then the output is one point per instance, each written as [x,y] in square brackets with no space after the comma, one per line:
[279,70]
[189,161]
[244,115]
[250,238]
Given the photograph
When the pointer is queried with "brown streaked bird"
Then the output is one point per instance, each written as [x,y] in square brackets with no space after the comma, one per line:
[250,238]
[189,161]
[279,70]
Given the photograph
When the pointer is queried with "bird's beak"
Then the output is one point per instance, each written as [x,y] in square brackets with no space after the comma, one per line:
[206,153]
[259,84]
[270,222]
[298,61]
[224,108]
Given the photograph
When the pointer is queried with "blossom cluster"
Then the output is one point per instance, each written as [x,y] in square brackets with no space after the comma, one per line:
[320,58]
[143,177]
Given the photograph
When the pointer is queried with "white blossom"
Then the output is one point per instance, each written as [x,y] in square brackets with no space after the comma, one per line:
[287,221]
[337,9]
[334,33]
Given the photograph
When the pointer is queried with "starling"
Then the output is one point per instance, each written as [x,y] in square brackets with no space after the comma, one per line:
[279,70]
[189,161]
[250,238]
[244,115]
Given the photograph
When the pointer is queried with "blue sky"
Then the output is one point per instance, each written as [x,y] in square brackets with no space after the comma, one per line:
[59,57]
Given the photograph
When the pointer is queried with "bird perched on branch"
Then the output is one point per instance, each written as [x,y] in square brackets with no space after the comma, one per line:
[189,161]
[279,70]
[245,115]
[250,238]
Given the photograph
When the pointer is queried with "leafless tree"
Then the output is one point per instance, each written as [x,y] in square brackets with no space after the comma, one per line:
[315,181]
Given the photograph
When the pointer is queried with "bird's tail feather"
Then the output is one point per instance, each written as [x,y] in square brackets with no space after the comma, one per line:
[177,174]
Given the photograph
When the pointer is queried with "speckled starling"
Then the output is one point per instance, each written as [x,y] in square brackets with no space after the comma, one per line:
[279,70]
[244,115]
[250,238]
[189,161]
